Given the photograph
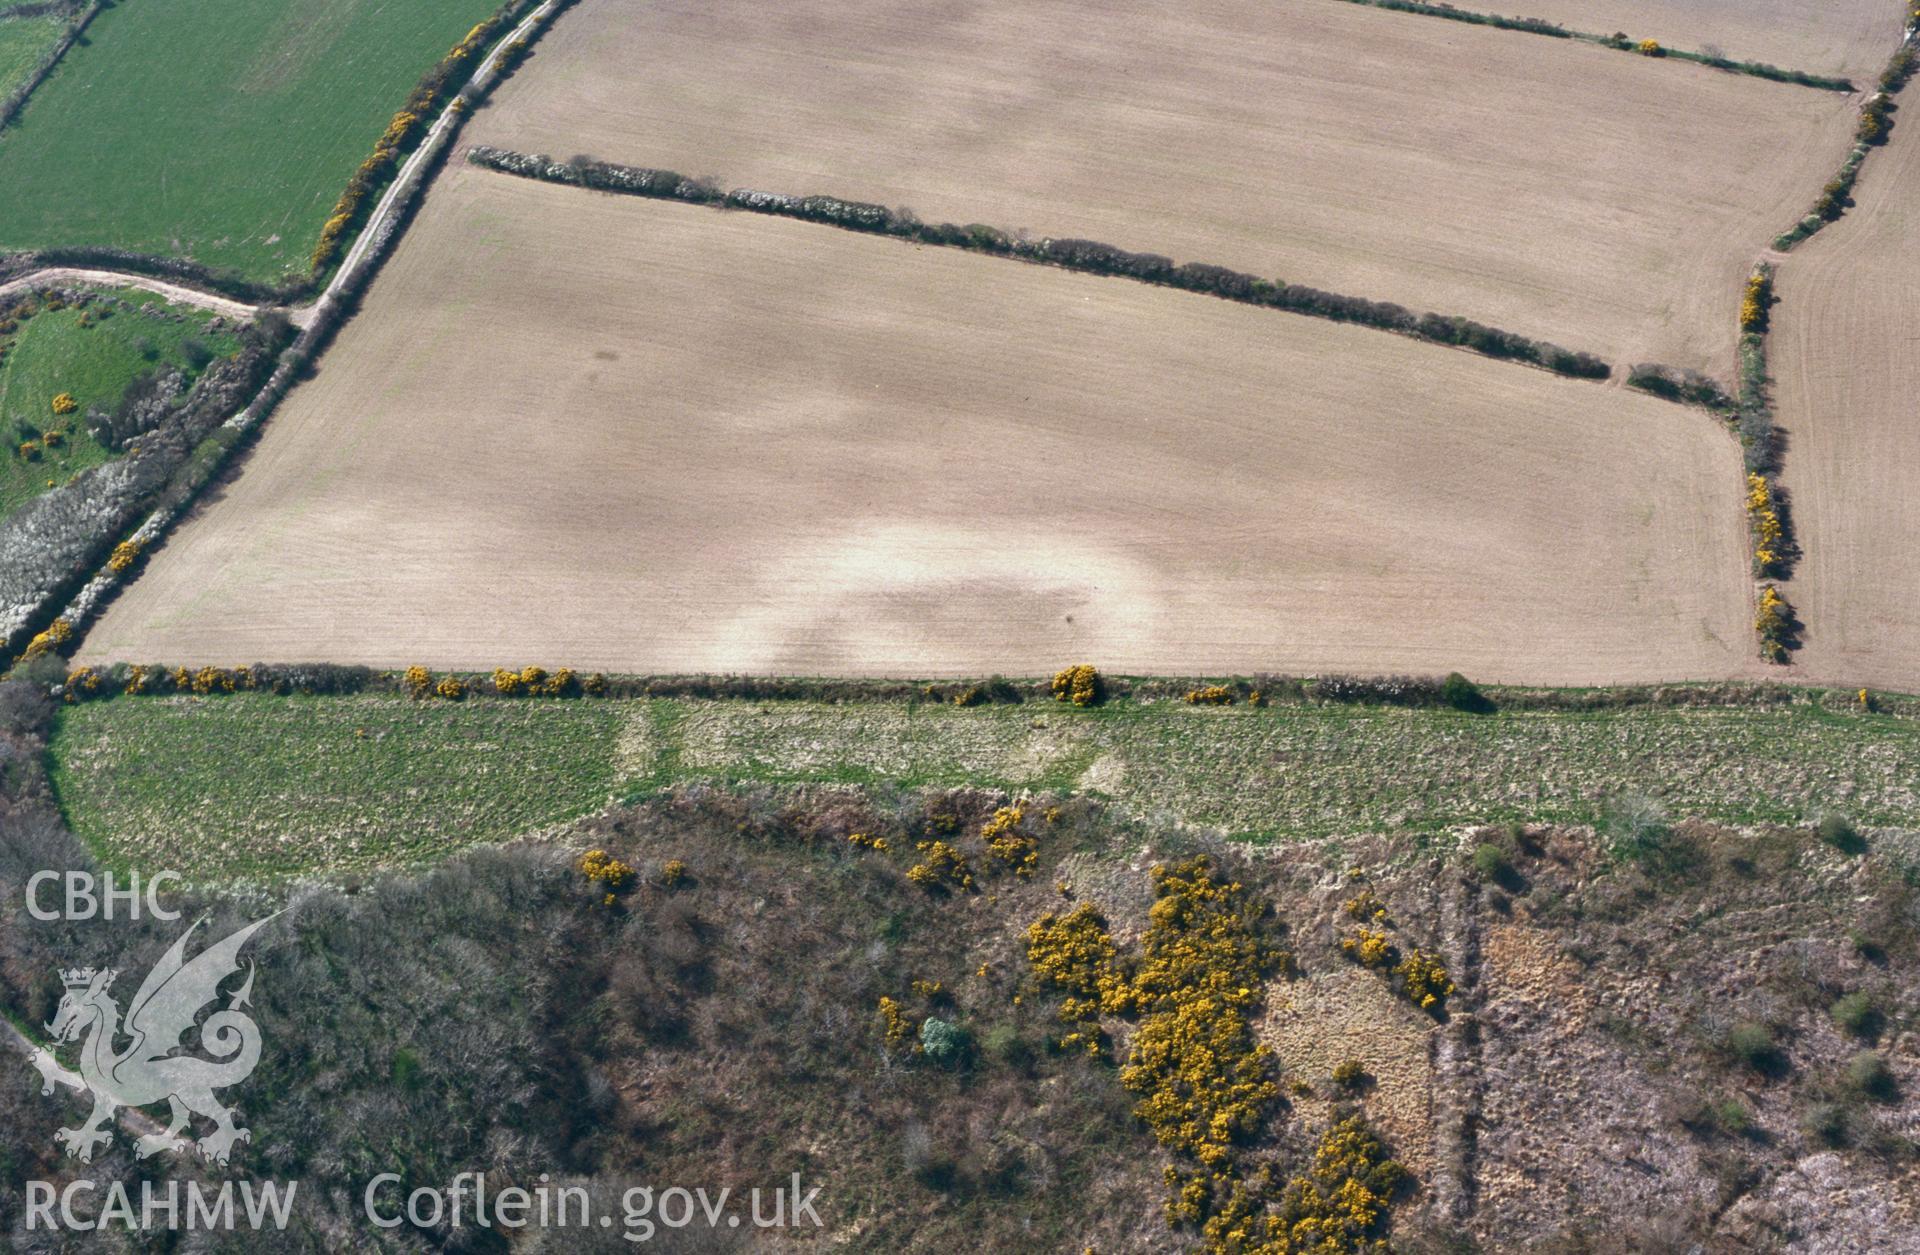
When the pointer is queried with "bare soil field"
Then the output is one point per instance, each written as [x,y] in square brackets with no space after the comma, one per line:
[719,442]
[1850,38]
[1556,189]
[1846,351]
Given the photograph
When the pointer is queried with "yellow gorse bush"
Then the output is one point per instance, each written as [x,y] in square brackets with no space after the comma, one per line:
[63,403]
[1204,1083]
[1365,906]
[1211,695]
[606,872]
[452,687]
[1368,946]
[537,682]
[1753,305]
[1772,620]
[941,866]
[418,681]
[1423,979]
[1763,517]
[1078,684]
[1339,1205]
[1013,848]
[219,680]
[125,554]
[1075,954]
[57,633]
[896,1027]
[1420,976]
[82,683]
[1876,119]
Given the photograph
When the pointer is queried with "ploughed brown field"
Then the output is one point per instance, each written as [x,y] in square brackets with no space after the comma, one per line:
[1845,349]
[1561,190]
[1847,38]
[604,432]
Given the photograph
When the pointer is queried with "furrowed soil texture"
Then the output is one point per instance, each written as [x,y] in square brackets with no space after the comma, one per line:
[727,443]
[218,130]
[1847,356]
[1846,38]
[1560,190]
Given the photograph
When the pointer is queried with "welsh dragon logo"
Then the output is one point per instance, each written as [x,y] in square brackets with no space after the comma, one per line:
[148,1070]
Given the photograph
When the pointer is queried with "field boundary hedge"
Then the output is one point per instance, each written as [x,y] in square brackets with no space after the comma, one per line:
[39,8]
[1749,417]
[17,99]
[1084,256]
[1619,41]
[1875,125]
[356,202]
[188,477]
[1384,692]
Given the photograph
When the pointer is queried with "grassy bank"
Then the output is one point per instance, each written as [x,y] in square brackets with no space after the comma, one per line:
[263,785]
[92,355]
[221,131]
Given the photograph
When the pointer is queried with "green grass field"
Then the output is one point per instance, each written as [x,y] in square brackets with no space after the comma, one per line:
[23,41]
[255,785]
[221,130]
[53,352]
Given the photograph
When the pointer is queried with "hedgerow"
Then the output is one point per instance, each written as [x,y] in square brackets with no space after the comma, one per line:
[1775,624]
[79,18]
[1873,128]
[1757,298]
[404,129]
[49,545]
[1084,256]
[1618,40]
[1689,387]
[1759,439]
[1389,690]
[1763,519]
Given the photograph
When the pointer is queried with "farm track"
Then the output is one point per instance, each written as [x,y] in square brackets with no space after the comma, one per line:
[393,202]
[378,233]
[134,1121]
[180,292]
